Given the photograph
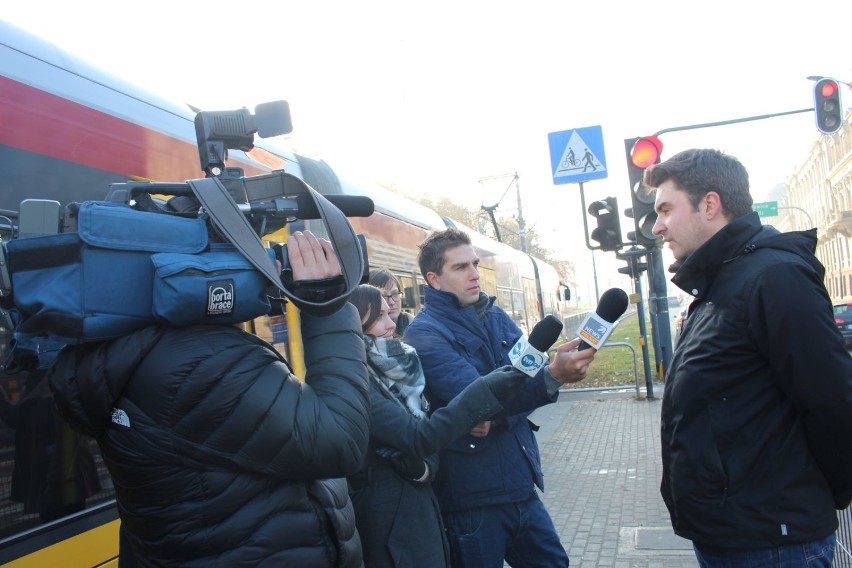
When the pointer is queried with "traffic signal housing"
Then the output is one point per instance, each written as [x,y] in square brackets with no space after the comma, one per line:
[608,230]
[642,153]
[827,108]
[634,268]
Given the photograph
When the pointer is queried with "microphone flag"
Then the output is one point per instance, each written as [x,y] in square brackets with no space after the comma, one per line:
[526,358]
[595,330]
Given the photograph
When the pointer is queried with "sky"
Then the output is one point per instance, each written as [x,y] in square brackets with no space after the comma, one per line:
[431,97]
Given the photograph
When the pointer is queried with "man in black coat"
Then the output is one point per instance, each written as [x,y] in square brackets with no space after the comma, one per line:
[756,428]
[219,455]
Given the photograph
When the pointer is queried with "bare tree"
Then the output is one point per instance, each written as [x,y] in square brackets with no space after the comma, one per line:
[508,232]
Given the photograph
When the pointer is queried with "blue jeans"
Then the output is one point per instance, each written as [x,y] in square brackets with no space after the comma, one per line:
[521,533]
[816,554]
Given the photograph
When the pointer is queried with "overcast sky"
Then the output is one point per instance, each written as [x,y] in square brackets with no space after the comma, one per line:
[432,96]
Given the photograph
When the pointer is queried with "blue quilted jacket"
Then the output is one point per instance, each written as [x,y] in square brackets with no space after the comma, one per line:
[455,347]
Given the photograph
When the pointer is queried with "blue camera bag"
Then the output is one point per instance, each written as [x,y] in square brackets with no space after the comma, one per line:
[96,283]
[217,286]
[126,268]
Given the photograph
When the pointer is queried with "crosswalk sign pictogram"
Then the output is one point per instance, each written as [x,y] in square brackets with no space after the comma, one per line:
[577,155]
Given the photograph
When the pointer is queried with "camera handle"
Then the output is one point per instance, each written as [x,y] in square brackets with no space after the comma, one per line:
[230,221]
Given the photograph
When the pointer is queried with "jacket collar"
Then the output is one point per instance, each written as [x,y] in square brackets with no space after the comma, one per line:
[737,239]
[696,274]
[444,301]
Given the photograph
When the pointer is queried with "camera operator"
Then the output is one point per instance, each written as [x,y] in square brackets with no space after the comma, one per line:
[218,453]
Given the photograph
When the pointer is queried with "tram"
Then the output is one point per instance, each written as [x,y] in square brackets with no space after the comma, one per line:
[67,131]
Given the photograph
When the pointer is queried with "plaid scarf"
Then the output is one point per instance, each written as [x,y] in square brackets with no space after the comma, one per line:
[395,365]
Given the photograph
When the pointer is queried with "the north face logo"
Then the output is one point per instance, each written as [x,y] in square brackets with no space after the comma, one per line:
[120,417]
[220,298]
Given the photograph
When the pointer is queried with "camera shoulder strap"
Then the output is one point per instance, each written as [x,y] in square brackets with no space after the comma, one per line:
[231,222]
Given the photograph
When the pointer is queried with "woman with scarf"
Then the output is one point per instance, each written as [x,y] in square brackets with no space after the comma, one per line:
[396,511]
[391,288]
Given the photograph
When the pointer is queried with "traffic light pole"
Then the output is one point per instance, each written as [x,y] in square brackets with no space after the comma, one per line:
[586,224]
[732,121]
[659,307]
[588,243]
[633,256]
[643,331]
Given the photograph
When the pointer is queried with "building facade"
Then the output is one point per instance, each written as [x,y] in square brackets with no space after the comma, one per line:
[819,194]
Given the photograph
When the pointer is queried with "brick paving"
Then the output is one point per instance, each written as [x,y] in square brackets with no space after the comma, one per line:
[601,460]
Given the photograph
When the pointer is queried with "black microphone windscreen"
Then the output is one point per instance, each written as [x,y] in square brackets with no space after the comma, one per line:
[612,305]
[353,205]
[350,205]
[545,333]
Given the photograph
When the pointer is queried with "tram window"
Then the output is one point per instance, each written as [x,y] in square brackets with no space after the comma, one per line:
[37,452]
[408,300]
[504,300]
[519,311]
[488,280]
[421,290]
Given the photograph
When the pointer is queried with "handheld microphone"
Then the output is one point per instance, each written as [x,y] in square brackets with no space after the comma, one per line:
[303,207]
[530,355]
[597,326]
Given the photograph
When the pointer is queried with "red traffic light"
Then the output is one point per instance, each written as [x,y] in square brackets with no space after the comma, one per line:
[828,88]
[827,108]
[646,152]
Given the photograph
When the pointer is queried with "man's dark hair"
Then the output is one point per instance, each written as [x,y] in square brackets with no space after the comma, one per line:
[431,257]
[700,171]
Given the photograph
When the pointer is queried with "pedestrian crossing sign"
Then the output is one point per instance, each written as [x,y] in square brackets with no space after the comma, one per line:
[577,155]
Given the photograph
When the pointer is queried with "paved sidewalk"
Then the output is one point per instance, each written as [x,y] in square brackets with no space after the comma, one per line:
[601,460]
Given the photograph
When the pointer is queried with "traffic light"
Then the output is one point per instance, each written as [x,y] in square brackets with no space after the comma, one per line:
[608,231]
[634,268]
[641,154]
[827,107]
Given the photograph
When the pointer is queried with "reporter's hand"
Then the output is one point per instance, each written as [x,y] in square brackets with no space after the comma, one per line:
[570,365]
[311,258]
[481,430]
[505,382]
[408,467]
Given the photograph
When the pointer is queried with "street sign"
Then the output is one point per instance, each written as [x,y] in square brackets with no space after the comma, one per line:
[577,155]
[766,209]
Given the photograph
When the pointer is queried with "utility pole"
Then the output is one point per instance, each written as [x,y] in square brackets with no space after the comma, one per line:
[522,227]
[635,267]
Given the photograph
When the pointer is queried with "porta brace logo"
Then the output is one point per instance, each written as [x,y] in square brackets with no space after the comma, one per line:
[220,297]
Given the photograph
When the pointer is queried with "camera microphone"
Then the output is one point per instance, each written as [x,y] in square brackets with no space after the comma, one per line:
[597,326]
[303,207]
[530,355]
[350,205]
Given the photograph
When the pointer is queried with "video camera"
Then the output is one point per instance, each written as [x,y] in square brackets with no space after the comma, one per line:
[109,246]
[261,198]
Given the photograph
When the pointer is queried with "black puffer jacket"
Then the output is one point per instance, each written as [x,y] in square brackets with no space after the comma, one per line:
[756,428]
[399,520]
[215,448]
